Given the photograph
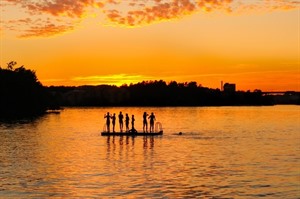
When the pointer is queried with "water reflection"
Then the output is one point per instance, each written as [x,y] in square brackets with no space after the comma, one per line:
[148,141]
[224,153]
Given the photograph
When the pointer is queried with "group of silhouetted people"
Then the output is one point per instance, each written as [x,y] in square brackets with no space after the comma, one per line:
[112,118]
[145,123]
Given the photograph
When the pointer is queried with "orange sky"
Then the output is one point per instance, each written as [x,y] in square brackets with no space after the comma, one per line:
[253,43]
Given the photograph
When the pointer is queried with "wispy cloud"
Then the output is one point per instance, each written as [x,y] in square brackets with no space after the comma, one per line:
[129,13]
[71,8]
[149,12]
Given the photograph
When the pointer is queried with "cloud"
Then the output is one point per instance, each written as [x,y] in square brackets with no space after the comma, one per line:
[164,10]
[61,16]
[266,5]
[70,8]
[39,27]
[45,30]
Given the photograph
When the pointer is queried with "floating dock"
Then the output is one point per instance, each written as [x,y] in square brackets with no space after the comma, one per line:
[131,133]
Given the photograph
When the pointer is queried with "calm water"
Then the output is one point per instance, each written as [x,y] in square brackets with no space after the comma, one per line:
[224,152]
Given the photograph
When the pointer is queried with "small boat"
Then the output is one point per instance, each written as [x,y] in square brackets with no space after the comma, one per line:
[157,131]
[130,133]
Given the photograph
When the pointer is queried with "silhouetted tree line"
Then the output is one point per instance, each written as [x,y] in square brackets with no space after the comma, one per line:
[21,94]
[154,93]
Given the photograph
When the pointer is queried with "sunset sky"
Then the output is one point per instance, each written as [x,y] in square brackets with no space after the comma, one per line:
[253,43]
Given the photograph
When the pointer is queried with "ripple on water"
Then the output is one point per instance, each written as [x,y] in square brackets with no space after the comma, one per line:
[224,153]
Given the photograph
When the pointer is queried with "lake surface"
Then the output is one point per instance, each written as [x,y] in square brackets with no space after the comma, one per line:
[224,152]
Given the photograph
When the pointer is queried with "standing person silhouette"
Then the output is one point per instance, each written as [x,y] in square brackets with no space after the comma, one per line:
[121,121]
[152,118]
[145,123]
[113,118]
[132,123]
[127,122]
[107,116]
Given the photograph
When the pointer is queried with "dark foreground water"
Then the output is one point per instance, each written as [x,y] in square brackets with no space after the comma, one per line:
[224,152]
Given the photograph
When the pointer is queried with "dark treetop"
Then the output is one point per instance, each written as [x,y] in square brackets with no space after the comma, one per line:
[21,94]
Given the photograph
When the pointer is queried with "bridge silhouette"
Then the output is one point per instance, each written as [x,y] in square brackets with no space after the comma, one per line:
[281,92]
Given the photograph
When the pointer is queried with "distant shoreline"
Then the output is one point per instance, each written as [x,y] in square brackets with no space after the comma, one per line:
[161,94]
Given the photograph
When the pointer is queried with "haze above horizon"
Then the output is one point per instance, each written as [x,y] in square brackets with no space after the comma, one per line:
[252,43]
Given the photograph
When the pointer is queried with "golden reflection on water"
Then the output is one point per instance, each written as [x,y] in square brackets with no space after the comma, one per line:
[224,152]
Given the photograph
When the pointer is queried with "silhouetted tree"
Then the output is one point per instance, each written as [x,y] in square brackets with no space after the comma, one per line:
[21,92]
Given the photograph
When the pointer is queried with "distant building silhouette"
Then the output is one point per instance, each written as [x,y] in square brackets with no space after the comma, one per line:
[222,86]
[229,88]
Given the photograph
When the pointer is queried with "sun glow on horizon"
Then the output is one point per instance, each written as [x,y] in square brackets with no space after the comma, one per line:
[206,80]
[115,79]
